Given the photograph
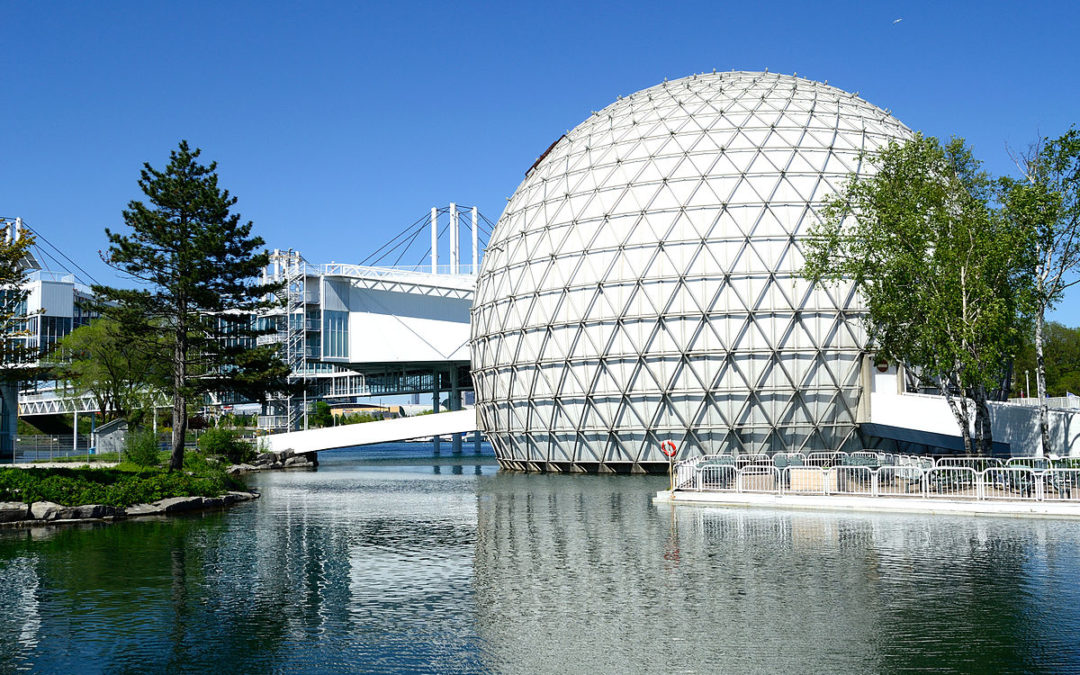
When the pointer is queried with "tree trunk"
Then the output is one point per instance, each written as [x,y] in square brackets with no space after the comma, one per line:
[984,433]
[1040,383]
[179,407]
[960,413]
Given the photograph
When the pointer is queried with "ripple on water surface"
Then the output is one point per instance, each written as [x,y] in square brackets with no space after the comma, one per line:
[397,561]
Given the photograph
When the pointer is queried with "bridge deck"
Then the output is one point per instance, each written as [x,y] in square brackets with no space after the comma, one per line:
[385,431]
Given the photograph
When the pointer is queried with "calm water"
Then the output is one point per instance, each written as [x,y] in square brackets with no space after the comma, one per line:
[387,559]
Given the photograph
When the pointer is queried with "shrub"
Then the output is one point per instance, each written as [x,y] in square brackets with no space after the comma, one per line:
[112,487]
[141,448]
[224,443]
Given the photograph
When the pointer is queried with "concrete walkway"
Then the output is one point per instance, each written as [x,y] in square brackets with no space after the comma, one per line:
[1026,509]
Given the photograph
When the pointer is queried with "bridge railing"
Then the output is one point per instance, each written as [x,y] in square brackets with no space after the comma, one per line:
[351,270]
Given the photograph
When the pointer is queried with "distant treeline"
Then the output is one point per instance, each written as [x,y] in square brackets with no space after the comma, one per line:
[1062,362]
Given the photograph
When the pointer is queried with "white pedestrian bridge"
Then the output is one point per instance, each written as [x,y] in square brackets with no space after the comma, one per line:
[385,431]
[887,412]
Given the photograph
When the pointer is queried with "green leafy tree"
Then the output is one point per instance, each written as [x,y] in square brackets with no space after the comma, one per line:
[116,362]
[1046,201]
[18,360]
[198,265]
[943,276]
[1061,346]
[321,416]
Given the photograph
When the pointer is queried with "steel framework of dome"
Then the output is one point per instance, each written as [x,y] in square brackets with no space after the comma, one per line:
[643,282]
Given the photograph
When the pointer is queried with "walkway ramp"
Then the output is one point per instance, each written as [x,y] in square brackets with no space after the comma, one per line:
[385,431]
[925,419]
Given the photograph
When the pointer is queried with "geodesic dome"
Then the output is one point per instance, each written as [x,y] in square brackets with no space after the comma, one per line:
[642,284]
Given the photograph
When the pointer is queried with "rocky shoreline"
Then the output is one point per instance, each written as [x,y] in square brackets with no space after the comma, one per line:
[275,461]
[20,514]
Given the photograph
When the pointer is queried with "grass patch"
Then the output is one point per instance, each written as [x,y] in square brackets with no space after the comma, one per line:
[103,458]
[124,485]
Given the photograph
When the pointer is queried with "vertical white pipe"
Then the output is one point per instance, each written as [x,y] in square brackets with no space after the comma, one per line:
[434,240]
[75,427]
[475,245]
[454,243]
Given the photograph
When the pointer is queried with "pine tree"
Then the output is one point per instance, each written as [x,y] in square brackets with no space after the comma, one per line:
[198,266]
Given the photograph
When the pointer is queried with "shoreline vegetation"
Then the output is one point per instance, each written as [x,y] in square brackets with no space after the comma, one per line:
[36,495]
[55,492]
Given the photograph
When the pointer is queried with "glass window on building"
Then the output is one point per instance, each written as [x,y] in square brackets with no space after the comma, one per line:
[335,334]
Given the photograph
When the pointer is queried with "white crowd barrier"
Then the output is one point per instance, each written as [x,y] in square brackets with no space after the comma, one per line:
[953,478]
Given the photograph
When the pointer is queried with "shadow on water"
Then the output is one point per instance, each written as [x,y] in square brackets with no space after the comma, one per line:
[417,563]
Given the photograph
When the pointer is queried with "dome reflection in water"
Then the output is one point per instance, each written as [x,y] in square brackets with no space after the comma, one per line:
[391,560]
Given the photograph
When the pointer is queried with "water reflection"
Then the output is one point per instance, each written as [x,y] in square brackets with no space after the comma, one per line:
[405,563]
[583,573]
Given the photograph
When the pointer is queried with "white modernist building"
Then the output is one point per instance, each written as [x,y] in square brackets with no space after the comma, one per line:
[643,282]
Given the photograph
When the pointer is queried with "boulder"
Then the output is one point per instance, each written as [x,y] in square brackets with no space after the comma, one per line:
[12,511]
[51,511]
[143,510]
[46,511]
[179,504]
[90,511]
[240,468]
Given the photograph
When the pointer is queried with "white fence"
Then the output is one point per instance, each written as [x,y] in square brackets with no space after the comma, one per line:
[951,478]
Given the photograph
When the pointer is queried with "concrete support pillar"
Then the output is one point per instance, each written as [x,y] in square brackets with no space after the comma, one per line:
[9,420]
[435,403]
[477,438]
[455,404]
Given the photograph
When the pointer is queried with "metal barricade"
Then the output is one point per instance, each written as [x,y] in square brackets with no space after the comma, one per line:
[685,472]
[718,477]
[806,480]
[977,463]
[958,478]
[852,480]
[752,459]
[1011,483]
[825,459]
[1060,485]
[1037,463]
[900,481]
[757,478]
[952,482]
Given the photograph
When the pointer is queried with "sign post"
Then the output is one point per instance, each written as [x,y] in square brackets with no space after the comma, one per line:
[669,450]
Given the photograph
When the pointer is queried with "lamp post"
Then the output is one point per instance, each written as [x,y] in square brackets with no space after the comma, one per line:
[1027,379]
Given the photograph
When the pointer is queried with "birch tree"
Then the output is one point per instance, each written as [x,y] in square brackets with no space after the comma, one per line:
[1046,201]
[941,273]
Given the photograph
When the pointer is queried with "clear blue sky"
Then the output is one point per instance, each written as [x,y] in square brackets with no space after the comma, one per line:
[338,124]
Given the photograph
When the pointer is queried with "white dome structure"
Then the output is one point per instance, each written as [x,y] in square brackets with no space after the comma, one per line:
[643,283]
